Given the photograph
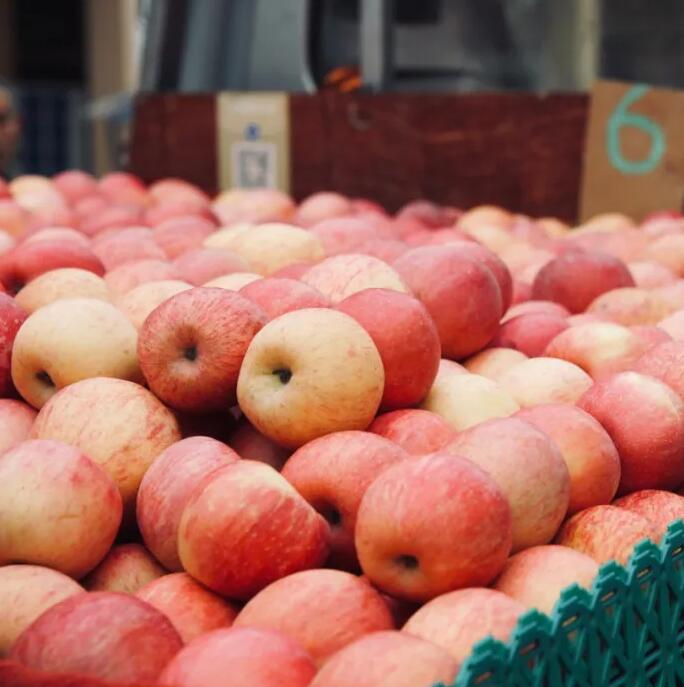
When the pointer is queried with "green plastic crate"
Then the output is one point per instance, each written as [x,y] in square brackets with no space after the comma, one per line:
[627,632]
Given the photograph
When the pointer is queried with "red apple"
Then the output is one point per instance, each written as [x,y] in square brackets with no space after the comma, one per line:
[406,338]
[462,296]
[125,278]
[343,275]
[340,235]
[71,340]
[606,533]
[126,245]
[12,316]
[577,277]
[321,206]
[645,420]
[416,431]
[312,358]
[191,347]
[416,552]
[665,362]
[458,620]
[388,658]
[630,306]
[170,210]
[545,380]
[191,608]
[536,576]
[533,475]
[251,444]
[118,424]
[27,591]
[59,234]
[179,235]
[493,363]
[529,333]
[201,265]
[650,335]
[276,296]
[166,488]
[322,610]
[126,568]
[240,504]
[660,508]
[332,473]
[589,452]
[29,260]
[668,250]
[253,205]
[123,187]
[237,657]
[99,218]
[138,303]
[535,307]
[16,420]
[104,634]
[59,508]
[648,274]
[674,325]
[234,281]
[177,189]
[75,185]
[599,348]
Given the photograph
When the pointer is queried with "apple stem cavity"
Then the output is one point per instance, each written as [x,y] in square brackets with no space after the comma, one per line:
[190,353]
[407,562]
[283,374]
[44,378]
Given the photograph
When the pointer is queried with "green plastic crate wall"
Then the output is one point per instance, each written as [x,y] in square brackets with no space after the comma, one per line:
[628,631]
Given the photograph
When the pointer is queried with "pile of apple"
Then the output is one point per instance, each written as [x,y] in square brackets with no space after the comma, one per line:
[250,442]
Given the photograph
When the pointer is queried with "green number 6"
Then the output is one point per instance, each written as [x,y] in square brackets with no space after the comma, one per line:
[622,117]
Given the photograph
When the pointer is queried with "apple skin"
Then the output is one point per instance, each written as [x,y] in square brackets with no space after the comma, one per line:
[631,306]
[200,265]
[126,245]
[465,400]
[534,477]
[415,553]
[58,233]
[122,279]
[529,307]
[660,508]
[606,533]
[192,609]
[234,281]
[126,568]
[577,277]
[236,657]
[589,452]
[340,276]
[668,250]
[493,362]
[239,504]
[124,187]
[650,335]
[645,420]
[545,380]
[139,302]
[332,473]
[173,189]
[103,634]
[29,260]
[461,294]
[406,338]
[96,218]
[26,591]
[178,235]
[65,282]
[59,509]
[666,363]
[536,576]
[277,296]
[322,206]
[191,347]
[118,424]
[529,334]
[322,610]
[75,185]
[71,340]
[599,348]
[648,274]
[251,444]
[384,658]
[166,488]
[416,431]
[456,621]
[12,316]
[312,359]
[340,235]
[16,420]
[674,325]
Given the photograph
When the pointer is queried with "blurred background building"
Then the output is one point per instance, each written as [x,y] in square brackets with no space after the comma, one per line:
[76,64]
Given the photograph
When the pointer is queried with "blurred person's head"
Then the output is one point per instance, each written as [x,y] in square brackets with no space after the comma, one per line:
[10,128]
